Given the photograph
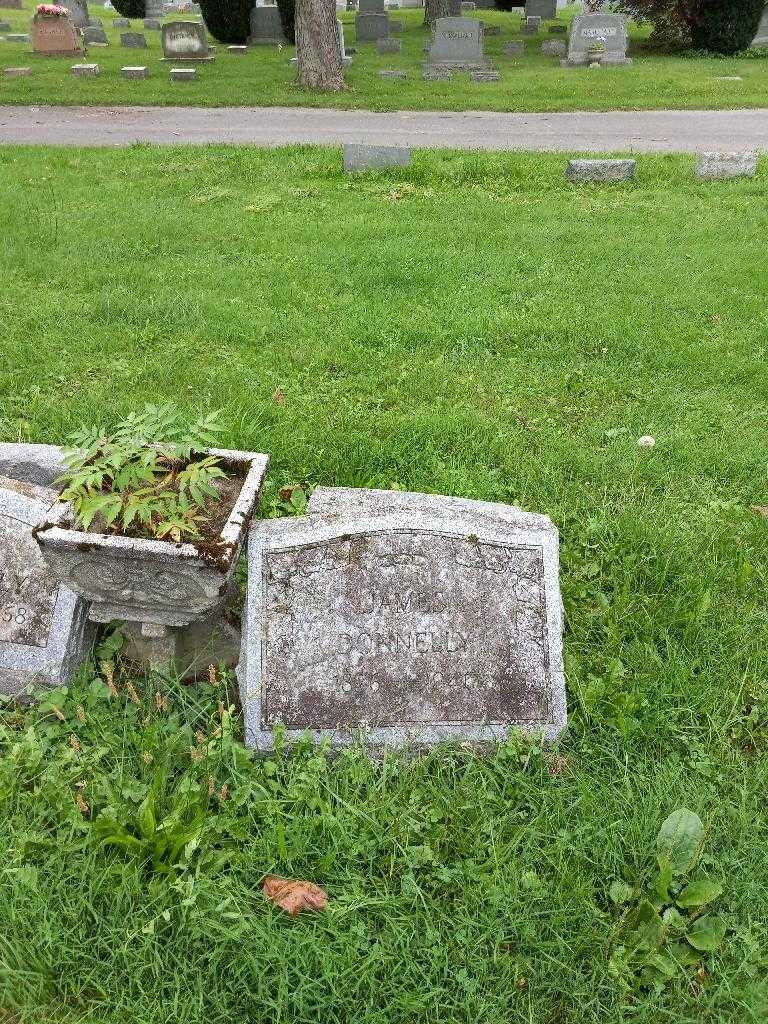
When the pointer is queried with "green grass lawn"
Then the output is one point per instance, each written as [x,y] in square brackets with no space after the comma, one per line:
[473,325]
[264,77]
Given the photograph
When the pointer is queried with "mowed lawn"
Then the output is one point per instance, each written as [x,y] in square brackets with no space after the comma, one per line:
[473,325]
[264,77]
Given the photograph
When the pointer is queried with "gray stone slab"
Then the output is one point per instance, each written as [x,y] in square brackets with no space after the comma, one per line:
[121,23]
[395,27]
[531,26]
[78,12]
[514,49]
[135,72]
[488,75]
[558,30]
[608,29]
[95,36]
[600,170]
[133,40]
[393,74]
[95,23]
[44,633]
[388,46]
[185,40]
[761,36]
[554,48]
[369,28]
[546,10]
[411,626]
[433,74]
[85,70]
[18,72]
[457,43]
[17,37]
[34,463]
[153,25]
[237,50]
[371,7]
[266,27]
[358,159]
[726,165]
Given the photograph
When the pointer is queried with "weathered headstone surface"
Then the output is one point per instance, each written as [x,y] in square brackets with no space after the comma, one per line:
[17,37]
[558,30]
[95,36]
[544,9]
[531,25]
[761,36]
[554,48]
[514,49]
[266,27]
[183,74]
[486,75]
[237,49]
[78,12]
[435,74]
[43,629]
[457,43]
[18,72]
[371,7]
[33,463]
[600,170]
[55,37]
[85,70]
[388,46]
[369,28]
[726,165]
[133,40]
[153,24]
[454,8]
[135,72]
[121,23]
[414,625]
[588,29]
[371,158]
[185,40]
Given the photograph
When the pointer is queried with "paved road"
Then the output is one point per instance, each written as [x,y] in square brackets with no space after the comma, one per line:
[642,131]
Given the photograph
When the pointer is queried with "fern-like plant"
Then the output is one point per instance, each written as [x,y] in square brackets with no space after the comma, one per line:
[150,477]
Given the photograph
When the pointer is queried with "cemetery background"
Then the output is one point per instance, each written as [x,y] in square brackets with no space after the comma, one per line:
[559,324]
[263,76]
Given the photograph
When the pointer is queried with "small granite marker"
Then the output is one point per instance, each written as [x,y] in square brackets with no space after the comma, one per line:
[413,619]
[18,72]
[85,70]
[133,40]
[152,25]
[43,629]
[17,37]
[237,49]
[457,44]
[371,158]
[95,36]
[393,74]
[610,30]
[388,46]
[726,165]
[183,74]
[134,72]
[531,26]
[514,49]
[554,48]
[600,170]
[121,23]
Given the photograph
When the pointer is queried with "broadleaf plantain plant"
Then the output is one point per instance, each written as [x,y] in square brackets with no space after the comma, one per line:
[150,477]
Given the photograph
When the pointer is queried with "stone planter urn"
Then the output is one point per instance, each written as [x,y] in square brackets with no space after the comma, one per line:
[595,55]
[157,587]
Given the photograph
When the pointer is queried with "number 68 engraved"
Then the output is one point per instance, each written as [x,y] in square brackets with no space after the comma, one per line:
[17,614]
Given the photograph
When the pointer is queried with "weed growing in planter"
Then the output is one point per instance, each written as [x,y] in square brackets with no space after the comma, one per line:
[667,930]
[150,477]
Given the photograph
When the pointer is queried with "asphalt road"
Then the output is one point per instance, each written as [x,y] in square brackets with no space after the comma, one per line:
[658,131]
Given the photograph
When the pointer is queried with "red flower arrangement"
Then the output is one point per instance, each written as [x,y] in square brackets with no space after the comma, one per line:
[51,10]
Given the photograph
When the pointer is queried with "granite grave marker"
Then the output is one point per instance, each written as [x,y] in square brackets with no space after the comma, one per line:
[589,29]
[266,27]
[55,37]
[457,43]
[411,624]
[185,40]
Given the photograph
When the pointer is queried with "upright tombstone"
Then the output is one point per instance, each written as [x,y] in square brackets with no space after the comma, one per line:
[544,9]
[607,30]
[78,12]
[413,621]
[266,27]
[369,28]
[761,36]
[94,36]
[55,36]
[370,7]
[185,40]
[44,633]
[457,44]
[154,9]
[133,40]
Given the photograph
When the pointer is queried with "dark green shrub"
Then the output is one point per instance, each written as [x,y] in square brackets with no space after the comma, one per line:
[129,8]
[507,5]
[726,26]
[229,21]
[287,9]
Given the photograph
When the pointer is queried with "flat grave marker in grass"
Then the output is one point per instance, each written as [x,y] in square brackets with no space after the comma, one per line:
[415,618]
[360,158]
[726,165]
[581,171]
[43,629]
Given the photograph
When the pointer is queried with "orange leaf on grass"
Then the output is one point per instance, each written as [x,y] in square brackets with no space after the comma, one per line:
[294,896]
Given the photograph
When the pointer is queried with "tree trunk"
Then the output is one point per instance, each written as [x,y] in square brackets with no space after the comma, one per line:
[317,46]
[434,9]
